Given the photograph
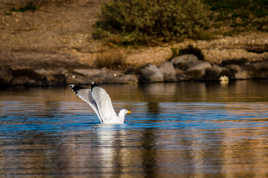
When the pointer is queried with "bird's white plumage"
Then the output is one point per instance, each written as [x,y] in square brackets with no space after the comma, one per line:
[85,95]
[99,100]
[104,104]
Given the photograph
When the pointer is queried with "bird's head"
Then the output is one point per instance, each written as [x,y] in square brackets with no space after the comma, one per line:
[123,113]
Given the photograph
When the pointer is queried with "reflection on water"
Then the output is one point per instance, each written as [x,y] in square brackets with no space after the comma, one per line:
[176,130]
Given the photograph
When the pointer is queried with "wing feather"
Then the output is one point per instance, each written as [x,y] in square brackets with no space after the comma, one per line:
[104,103]
[86,96]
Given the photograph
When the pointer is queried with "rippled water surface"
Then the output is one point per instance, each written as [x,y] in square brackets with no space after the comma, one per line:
[175,130]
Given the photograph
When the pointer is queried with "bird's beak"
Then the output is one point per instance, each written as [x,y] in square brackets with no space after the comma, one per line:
[129,112]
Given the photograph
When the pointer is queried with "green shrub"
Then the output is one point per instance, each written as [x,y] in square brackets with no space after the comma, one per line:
[251,6]
[245,10]
[144,21]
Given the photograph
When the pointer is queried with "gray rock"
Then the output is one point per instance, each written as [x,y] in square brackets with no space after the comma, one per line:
[217,69]
[242,75]
[89,72]
[38,77]
[198,71]
[85,76]
[26,76]
[126,79]
[168,70]
[239,72]
[235,68]
[185,61]
[181,76]
[215,72]
[259,69]
[263,65]
[52,77]
[151,73]
[201,66]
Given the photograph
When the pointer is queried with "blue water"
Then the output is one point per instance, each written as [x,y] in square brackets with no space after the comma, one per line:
[175,130]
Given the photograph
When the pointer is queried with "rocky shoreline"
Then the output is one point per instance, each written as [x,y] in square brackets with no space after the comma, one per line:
[186,67]
[237,58]
[53,46]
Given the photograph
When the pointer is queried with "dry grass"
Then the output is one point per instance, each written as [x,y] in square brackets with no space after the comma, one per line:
[112,59]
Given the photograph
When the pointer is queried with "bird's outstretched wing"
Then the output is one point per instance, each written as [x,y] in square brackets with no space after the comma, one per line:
[86,96]
[104,103]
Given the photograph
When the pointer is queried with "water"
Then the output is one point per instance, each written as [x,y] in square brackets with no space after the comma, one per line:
[176,130]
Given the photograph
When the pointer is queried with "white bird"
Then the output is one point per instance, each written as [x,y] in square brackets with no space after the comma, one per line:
[99,100]
[224,80]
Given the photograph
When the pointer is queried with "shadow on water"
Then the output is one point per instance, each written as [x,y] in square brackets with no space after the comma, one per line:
[176,130]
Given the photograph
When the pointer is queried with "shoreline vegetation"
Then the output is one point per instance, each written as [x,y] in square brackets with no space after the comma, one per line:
[58,42]
[142,22]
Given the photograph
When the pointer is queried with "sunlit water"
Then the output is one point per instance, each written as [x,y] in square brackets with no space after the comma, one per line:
[175,130]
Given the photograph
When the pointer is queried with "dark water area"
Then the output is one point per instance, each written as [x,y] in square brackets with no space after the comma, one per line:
[175,130]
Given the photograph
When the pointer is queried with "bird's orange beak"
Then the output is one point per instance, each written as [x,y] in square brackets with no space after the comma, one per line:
[129,112]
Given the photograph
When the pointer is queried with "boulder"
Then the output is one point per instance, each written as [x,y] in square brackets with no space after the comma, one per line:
[185,61]
[85,76]
[169,72]
[52,77]
[202,66]
[198,71]
[258,66]
[151,73]
[234,67]
[242,75]
[124,79]
[26,76]
[103,75]
[260,69]
[215,72]
[37,77]
[238,72]
[181,76]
